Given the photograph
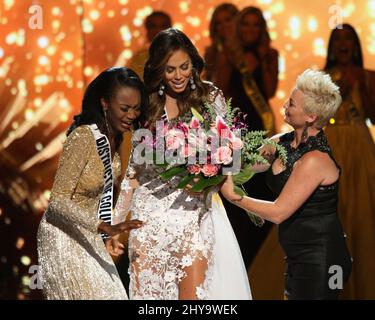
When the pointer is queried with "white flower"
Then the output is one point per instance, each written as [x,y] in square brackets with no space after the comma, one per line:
[169,276]
[141,237]
[201,293]
[164,255]
[186,261]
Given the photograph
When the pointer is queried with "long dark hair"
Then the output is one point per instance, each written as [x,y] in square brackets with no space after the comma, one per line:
[263,24]
[104,86]
[229,7]
[357,57]
[162,47]
[213,50]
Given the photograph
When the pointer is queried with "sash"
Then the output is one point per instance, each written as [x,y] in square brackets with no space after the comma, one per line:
[258,101]
[256,98]
[105,209]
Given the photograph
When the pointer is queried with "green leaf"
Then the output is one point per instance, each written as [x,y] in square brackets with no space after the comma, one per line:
[197,115]
[204,183]
[162,165]
[243,176]
[257,221]
[185,180]
[239,191]
[166,175]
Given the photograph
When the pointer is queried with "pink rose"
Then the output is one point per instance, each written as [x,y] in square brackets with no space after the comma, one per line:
[174,138]
[210,170]
[236,143]
[194,123]
[223,155]
[194,169]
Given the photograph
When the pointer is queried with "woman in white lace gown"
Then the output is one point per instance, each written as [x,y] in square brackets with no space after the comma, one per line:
[182,251]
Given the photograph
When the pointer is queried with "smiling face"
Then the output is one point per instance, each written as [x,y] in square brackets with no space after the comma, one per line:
[294,113]
[123,108]
[250,28]
[178,71]
[343,46]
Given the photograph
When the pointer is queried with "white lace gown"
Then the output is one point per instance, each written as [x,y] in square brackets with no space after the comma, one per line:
[176,231]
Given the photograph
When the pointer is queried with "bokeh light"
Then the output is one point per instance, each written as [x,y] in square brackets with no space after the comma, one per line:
[43,74]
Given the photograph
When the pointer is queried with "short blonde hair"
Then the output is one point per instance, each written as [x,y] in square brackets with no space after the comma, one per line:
[321,96]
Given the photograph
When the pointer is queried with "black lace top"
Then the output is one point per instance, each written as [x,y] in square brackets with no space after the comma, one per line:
[319,142]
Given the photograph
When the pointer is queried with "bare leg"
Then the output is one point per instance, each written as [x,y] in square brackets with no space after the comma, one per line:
[195,275]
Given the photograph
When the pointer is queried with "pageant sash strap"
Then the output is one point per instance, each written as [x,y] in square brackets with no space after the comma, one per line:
[105,209]
[260,104]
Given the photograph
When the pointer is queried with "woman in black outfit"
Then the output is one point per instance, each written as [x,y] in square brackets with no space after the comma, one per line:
[306,187]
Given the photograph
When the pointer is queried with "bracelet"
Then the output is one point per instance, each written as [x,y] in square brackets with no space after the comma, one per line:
[237,200]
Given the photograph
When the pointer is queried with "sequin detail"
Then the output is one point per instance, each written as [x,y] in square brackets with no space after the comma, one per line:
[74,263]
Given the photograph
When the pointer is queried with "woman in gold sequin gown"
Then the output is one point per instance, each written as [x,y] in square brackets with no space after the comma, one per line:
[354,150]
[73,260]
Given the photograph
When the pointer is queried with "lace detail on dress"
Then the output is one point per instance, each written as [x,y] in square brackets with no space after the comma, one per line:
[177,230]
[217,99]
[125,198]
[318,142]
[169,241]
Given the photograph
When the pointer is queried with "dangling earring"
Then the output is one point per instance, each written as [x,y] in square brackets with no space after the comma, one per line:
[106,121]
[192,84]
[161,90]
[305,133]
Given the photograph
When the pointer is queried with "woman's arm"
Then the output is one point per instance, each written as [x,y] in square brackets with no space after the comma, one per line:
[222,70]
[270,71]
[268,152]
[368,95]
[127,187]
[124,200]
[308,173]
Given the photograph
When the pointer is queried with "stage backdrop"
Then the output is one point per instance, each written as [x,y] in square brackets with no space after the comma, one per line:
[50,50]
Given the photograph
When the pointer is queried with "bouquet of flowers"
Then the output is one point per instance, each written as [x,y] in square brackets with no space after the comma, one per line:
[202,148]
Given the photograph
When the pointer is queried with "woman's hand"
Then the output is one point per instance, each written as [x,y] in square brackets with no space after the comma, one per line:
[264,47]
[252,61]
[114,246]
[227,189]
[120,227]
[188,187]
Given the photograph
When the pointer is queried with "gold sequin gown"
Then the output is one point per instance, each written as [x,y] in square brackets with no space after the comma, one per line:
[354,150]
[73,260]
